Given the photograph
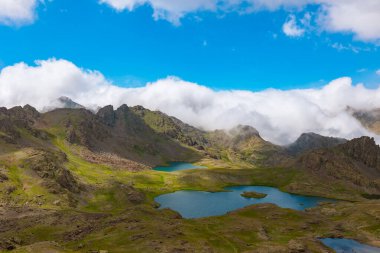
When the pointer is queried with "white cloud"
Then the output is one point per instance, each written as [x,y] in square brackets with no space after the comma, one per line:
[358,17]
[17,12]
[280,116]
[291,29]
[171,10]
[175,10]
[378,72]
[273,5]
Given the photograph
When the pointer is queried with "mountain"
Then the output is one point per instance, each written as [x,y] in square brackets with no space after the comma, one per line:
[66,102]
[311,141]
[354,164]
[242,143]
[72,180]
[370,119]
[16,125]
[121,132]
[172,127]
[63,102]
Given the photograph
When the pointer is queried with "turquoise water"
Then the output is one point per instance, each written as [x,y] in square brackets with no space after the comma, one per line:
[176,166]
[197,204]
[348,246]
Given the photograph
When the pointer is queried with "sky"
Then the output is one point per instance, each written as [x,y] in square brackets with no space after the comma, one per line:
[230,44]
[284,67]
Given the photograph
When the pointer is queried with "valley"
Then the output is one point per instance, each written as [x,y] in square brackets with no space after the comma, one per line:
[76,181]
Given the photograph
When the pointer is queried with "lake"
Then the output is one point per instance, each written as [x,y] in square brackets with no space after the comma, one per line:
[177,166]
[198,204]
[341,245]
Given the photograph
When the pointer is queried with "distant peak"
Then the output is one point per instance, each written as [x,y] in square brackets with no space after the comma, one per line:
[123,107]
[63,102]
[310,135]
[107,115]
[310,141]
[244,130]
[64,98]
[69,103]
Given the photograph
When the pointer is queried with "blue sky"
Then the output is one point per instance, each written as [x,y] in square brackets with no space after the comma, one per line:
[221,50]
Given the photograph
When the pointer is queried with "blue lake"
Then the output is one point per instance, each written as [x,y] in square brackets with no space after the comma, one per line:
[197,204]
[348,246]
[176,166]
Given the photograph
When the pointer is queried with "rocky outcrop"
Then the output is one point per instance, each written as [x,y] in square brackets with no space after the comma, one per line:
[107,115]
[82,127]
[355,164]
[18,118]
[49,166]
[363,150]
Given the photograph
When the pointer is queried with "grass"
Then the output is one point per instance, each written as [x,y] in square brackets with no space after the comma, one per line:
[141,228]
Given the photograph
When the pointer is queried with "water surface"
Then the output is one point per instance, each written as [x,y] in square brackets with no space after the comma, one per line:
[341,245]
[176,166]
[197,204]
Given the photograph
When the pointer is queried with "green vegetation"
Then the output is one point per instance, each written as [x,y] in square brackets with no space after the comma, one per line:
[78,184]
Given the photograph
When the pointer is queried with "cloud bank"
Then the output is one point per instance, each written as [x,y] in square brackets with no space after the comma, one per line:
[17,12]
[280,116]
[358,17]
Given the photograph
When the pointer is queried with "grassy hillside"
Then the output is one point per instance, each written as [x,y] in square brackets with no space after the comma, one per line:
[74,181]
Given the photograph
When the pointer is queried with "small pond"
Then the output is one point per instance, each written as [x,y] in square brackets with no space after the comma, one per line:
[198,204]
[176,166]
[341,245]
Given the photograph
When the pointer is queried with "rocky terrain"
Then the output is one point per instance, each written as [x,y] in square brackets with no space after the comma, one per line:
[354,164]
[311,141]
[72,180]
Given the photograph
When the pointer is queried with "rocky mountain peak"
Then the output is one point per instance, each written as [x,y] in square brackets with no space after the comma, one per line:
[67,102]
[31,111]
[123,108]
[26,113]
[107,115]
[363,149]
[311,141]
[244,132]
[62,102]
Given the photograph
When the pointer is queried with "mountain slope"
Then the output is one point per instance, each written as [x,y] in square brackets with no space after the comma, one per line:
[354,164]
[172,127]
[239,144]
[311,141]
[244,144]
[17,128]
[68,184]
[119,132]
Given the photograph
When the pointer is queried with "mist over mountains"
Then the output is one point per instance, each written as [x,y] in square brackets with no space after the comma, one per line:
[279,116]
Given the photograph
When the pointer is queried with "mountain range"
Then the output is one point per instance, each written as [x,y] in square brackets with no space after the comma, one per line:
[98,164]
